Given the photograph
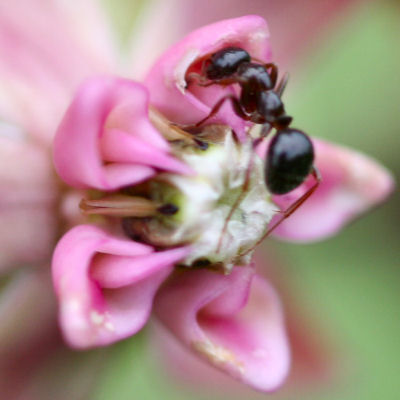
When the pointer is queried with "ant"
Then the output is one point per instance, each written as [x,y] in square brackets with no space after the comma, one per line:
[290,156]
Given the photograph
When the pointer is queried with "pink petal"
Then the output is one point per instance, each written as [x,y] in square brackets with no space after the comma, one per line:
[27,234]
[166,80]
[240,332]
[107,119]
[27,309]
[119,146]
[114,302]
[351,184]
[26,174]
[297,26]
[47,369]
[27,201]
[47,48]
[315,361]
[112,271]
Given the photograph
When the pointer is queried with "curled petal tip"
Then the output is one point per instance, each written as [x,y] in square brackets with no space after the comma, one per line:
[106,285]
[167,79]
[241,332]
[108,117]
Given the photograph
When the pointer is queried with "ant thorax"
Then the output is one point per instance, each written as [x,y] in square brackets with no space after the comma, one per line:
[215,214]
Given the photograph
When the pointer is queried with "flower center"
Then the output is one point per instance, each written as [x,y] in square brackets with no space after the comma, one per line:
[221,211]
[226,207]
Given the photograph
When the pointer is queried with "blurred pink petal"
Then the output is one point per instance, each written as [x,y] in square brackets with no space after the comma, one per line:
[351,184]
[237,330]
[92,313]
[49,370]
[108,122]
[27,201]
[32,353]
[166,79]
[47,48]
[297,27]
[27,234]
[25,169]
[26,304]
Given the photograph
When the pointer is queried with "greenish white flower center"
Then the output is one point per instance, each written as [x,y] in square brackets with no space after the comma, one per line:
[223,209]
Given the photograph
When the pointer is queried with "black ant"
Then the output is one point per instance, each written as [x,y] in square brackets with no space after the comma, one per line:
[290,155]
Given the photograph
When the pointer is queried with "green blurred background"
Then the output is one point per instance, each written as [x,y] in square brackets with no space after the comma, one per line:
[347,90]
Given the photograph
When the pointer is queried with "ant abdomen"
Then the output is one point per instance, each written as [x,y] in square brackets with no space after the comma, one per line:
[289,160]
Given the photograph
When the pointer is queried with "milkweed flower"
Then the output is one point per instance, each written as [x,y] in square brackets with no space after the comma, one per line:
[166,224]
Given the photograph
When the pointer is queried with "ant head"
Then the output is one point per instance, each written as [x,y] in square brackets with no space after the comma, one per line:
[225,62]
[289,160]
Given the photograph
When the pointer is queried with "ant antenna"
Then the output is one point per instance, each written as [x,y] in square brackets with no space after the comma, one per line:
[282,84]
[291,209]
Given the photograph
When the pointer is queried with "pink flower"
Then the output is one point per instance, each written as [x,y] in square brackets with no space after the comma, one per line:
[157,199]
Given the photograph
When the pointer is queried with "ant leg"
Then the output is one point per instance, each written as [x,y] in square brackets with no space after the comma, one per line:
[282,84]
[245,186]
[292,208]
[194,77]
[237,201]
[236,107]
[200,79]
[274,70]
[221,82]
[273,73]
[265,131]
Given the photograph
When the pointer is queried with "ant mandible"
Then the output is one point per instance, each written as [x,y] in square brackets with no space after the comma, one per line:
[290,155]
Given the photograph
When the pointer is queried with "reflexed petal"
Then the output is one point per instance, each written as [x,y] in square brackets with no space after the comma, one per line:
[351,184]
[47,48]
[237,330]
[106,140]
[119,146]
[106,285]
[315,361]
[166,80]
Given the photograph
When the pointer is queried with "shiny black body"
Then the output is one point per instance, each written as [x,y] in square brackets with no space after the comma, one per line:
[290,154]
[259,99]
[289,160]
